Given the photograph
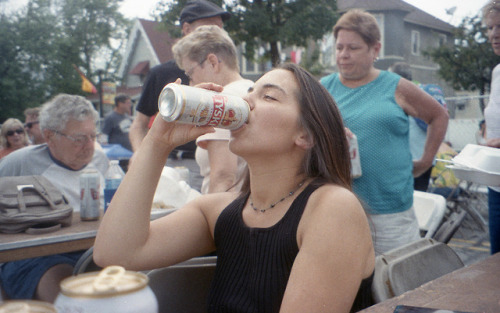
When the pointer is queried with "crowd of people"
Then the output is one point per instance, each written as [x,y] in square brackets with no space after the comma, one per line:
[292,230]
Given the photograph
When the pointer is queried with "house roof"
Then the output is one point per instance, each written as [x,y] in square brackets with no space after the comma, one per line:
[142,68]
[160,40]
[414,15]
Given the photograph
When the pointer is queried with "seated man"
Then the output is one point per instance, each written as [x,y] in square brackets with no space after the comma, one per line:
[68,124]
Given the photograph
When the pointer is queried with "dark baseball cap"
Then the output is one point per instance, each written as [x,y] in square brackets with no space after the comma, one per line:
[198,9]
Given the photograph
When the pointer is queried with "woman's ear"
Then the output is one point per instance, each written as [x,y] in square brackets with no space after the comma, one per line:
[304,140]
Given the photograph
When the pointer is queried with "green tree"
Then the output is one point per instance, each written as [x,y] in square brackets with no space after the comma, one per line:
[467,65]
[40,43]
[268,24]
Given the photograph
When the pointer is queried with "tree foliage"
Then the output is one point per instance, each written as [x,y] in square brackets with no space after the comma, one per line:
[40,43]
[266,24]
[467,65]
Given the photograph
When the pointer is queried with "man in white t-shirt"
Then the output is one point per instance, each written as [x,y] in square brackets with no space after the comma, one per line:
[68,124]
[209,55]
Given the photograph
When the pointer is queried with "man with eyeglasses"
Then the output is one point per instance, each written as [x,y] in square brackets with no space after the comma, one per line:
[31,124]
[68,124]
[194,14]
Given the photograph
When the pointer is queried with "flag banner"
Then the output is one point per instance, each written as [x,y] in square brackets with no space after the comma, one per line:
[108,92]
[87,85]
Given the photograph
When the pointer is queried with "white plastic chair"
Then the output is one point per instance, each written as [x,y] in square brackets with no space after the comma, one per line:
[183,287]
[429,209]
[410,266]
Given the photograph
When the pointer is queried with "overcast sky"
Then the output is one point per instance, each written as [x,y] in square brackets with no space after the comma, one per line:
[437,8]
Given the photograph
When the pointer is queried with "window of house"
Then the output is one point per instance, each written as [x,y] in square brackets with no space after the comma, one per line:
[442,39]
[415,42]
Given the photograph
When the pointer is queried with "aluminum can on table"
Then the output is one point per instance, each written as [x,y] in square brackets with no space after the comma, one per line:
[201,107]
[90,202]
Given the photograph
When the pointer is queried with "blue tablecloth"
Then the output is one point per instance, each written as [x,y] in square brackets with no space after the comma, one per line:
[117,152]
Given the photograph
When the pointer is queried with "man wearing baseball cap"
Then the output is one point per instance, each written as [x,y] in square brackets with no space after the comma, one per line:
[195,13]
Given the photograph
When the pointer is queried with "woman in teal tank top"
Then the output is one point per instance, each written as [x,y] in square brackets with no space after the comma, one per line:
[375,106]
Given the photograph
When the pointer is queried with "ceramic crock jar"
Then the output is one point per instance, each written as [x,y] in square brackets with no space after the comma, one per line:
[26,306]
[111,290]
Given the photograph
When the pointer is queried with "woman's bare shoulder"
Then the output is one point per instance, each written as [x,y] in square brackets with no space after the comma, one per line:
[213,204]
[334,197]
[332,205]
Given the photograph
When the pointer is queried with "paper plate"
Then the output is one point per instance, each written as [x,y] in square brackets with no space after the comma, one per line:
[476,176]
[481,158]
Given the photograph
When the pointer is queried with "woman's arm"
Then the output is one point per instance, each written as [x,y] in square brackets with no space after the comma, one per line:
[418,103]
[125,236]
[335,254]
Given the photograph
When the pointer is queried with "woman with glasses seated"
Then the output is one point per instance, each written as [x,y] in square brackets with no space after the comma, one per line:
[13,137]
[68,124]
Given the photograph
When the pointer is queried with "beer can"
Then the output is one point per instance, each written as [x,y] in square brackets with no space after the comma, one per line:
[90,187]
[201,107]
[112,290]
[354,154]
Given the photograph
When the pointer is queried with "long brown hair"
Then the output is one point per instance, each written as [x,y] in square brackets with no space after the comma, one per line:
[328,160]
[320,117]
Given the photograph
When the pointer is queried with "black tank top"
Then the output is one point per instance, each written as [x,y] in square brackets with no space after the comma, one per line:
[254,264]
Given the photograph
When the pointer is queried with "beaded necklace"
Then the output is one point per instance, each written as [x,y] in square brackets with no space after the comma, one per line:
[291,193]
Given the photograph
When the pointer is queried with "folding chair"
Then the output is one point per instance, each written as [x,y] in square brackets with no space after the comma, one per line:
[183,287]
[429,209]
[410,266]
[86,263]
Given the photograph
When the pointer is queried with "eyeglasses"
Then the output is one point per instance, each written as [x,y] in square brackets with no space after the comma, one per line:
[30,124]
[79,140]
[189,72]
[12,132]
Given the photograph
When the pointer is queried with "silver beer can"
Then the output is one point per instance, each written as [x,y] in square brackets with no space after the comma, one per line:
[90,202]
[201,107]
[112,290]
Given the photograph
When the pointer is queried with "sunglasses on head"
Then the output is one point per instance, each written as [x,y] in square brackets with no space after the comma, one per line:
[17,131]
[30,124]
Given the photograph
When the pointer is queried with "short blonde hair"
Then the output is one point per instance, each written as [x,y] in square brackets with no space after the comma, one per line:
[204,40]
[361,22]
[12,124]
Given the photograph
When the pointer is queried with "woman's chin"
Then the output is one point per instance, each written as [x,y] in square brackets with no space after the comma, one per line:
[239,130]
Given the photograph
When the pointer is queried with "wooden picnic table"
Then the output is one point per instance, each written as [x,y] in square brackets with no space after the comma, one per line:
[474,288]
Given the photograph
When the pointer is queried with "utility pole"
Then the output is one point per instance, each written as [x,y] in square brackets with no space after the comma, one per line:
[99,75]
